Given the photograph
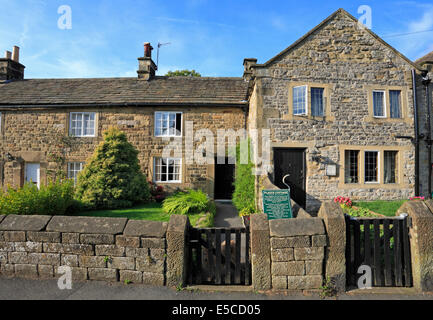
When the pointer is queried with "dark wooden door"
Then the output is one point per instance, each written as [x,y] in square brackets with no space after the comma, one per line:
[292,162]
[224,177]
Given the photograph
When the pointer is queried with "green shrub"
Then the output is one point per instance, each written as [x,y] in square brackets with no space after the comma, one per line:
[191,202]
[52,199]
[112,178]
[244,194]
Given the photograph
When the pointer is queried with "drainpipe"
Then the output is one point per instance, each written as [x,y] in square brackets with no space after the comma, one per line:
[415,108]
[426,82]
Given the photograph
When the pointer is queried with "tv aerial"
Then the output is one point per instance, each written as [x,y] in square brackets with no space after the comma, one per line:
[157,53]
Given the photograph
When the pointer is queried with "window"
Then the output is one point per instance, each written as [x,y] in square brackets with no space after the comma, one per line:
[395,103]
[82,124]
[379,104]
[300,100]
[390,167]
[317,108]
[73,169]
[351,158]
[168,124]
[167,170]
[371,166]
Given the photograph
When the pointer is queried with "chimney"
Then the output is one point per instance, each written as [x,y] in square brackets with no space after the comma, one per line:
[248,71]
[10,66]
[146,66]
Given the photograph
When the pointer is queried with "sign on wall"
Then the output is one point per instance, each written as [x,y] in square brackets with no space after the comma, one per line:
[277,204]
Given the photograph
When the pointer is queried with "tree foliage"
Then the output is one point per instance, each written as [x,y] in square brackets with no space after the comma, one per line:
[183,73]
[112,178]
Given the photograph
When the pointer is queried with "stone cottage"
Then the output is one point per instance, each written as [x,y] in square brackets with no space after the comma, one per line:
[343,117]
[36,115]
[347,115]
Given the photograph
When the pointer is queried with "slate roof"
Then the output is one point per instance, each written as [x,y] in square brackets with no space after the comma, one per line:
[427,58]
[124,91]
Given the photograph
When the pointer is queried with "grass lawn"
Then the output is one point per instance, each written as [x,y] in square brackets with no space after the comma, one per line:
[149,211]
[387,208]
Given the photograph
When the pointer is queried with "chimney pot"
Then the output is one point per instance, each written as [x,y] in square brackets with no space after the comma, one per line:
[16,54]
[148,50]
[8,54]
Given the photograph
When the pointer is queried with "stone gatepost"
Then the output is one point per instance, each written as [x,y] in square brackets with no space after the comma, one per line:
[421,242]
[176,250]
[335,252]
[260,252]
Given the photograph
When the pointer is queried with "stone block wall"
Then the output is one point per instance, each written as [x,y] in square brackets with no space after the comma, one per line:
[287,254]
[106,249]
[297,253]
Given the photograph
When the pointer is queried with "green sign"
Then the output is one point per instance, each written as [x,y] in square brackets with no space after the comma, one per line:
[277,204]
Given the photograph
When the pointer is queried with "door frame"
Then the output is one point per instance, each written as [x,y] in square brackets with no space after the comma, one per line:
[226,159]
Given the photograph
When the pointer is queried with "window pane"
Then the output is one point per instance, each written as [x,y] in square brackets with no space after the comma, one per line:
[178,124]
[74,168]
[158,123]
[351,158]
[371,166]
[317,102]
[395,103]
[167,170]
[299,100]
[390,167]
[378,104]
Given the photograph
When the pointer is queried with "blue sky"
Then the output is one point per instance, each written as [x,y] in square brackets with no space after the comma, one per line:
[212,37]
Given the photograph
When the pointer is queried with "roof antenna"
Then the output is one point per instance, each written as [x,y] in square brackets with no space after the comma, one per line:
[157,54]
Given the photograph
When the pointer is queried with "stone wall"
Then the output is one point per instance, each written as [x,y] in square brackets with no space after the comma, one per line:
[107,249]
[287,254]
[29,135]
[297,253]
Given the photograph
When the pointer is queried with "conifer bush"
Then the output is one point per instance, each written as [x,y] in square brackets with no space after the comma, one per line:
[112,178]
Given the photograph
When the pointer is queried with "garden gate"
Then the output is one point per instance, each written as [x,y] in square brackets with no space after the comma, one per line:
[382,244]
[211,261]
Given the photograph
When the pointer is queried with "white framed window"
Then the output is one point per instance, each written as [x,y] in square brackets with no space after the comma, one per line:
[300,100]
[168,170]
[82,124]
[74,169]
[168,124]
[379,104]
[371,166]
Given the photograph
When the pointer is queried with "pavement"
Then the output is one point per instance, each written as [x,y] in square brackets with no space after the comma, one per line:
[24,289]
[226,215]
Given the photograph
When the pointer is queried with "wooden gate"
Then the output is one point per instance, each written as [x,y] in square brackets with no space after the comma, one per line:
[215,261]
[382,244]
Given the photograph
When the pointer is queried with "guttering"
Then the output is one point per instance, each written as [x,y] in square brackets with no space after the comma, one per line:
[426,82]
[6,107]
[415,108]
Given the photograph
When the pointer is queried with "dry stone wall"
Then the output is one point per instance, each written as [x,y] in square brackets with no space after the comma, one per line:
[106,249]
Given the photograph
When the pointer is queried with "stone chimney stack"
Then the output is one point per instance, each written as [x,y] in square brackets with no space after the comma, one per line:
[10,66]
[146,67]
[248,64]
